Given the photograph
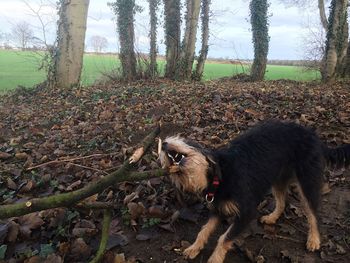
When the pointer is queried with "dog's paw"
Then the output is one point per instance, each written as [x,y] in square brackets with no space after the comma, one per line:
[191,252]
[268,219]
[313,243]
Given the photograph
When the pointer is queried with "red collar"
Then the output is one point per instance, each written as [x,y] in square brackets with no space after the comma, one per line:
[209,197]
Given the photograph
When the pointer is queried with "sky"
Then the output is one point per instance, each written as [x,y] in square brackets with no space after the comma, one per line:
[230,28]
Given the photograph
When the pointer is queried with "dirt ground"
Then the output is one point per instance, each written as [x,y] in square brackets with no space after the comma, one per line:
[77,136]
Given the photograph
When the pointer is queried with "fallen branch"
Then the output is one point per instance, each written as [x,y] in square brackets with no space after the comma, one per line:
[107,217]
[71,198]
[95,205]
[66,159]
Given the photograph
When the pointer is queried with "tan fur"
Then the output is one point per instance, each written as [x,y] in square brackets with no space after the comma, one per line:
[191,177]
[313,239]
[280,198]
[229,208]
[202,238]
[221,249]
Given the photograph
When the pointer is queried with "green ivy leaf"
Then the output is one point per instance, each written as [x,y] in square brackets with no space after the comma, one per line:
[45,250]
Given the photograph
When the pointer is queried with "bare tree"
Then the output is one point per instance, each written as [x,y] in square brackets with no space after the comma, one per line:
[307,3]
[22,34]
[98,43]
[45,19]
[205,40]
[70,42]
[153,7]
[184,67]
[313,46]
[172,26]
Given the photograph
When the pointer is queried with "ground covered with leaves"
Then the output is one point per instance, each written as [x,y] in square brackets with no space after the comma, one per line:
[57,141]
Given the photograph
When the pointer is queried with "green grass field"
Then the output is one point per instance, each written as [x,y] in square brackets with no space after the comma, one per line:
[21,68]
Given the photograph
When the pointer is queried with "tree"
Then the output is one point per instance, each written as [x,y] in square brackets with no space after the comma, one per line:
[259,22]
[125,11]
[22,34]
[153,7]
[184,67]
[336,42]
[172,35]
[68,60]
[98,43]
[322,13]
[205,40]
[305,3]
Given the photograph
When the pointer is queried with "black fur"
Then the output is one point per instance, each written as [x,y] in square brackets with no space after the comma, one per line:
[272,154]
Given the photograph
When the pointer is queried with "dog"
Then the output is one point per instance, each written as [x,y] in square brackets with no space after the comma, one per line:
[235,178]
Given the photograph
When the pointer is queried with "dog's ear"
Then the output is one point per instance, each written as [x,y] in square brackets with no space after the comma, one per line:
[214,167]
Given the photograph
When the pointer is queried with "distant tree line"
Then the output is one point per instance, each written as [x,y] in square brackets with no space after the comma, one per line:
[180,39]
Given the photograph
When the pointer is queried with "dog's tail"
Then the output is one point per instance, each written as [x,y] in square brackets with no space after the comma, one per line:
[337,157]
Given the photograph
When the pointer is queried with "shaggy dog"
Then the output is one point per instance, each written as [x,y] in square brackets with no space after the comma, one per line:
[234,179]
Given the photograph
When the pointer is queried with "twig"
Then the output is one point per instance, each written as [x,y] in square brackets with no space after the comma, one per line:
[71,198]
[107,217]
[289,239]
[66,159]
[89,168]
[295,227]
[95,205]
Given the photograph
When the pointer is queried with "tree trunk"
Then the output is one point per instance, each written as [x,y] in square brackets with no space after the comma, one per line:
[323,16]
[346,72]
[185,65]
[125,10]
[259,22]
[68,61]
[172,35]
[342,43]
[205,40]
[153,68]
[335,39]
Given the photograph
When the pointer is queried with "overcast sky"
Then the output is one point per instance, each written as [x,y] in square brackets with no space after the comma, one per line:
[230,28]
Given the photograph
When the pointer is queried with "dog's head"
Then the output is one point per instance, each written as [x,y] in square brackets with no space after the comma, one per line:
[187,163]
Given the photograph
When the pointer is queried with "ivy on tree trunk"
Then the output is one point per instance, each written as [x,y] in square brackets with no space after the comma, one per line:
[153,68]
[125,11]
[336,42]
[259,22]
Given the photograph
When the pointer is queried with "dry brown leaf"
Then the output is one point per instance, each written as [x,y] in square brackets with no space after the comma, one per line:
[29,222]
[11,184]
[80,250]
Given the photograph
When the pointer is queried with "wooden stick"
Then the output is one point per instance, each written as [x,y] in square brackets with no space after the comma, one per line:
[107,218]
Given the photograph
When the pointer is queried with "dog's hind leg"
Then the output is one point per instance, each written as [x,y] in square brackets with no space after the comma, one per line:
[202,238]
[310,179]
[279,193]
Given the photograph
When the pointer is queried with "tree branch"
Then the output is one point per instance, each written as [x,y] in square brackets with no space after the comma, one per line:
[68,199]
[323,16]
[107,217]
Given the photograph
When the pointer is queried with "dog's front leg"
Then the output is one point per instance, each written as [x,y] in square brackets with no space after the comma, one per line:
[225,242]
[202,238]
[223,246]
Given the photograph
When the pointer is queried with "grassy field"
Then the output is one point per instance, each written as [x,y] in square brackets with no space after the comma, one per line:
[21,68]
